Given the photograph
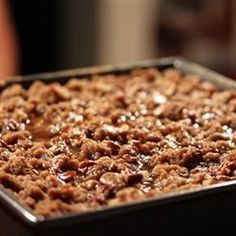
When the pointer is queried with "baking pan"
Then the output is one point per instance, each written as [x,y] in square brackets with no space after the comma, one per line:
[207,209]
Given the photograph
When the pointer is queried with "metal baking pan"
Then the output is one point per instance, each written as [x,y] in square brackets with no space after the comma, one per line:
[191,212]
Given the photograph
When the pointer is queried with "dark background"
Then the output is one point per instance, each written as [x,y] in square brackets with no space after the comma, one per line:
[36,25]
[61,34]
[54,34]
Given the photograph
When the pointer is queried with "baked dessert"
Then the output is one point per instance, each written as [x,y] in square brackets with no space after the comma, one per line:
[113,139]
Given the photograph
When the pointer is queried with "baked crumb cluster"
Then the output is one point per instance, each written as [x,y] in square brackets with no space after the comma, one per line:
[110,139]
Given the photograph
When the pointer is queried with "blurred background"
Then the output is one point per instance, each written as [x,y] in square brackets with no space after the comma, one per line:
[61,34]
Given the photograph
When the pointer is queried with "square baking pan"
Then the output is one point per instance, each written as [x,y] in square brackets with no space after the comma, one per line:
[191,212]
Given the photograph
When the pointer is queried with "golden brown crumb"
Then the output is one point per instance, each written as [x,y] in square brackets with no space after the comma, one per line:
[114,139]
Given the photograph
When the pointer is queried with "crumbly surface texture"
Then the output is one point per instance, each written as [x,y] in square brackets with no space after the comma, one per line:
[108,140]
